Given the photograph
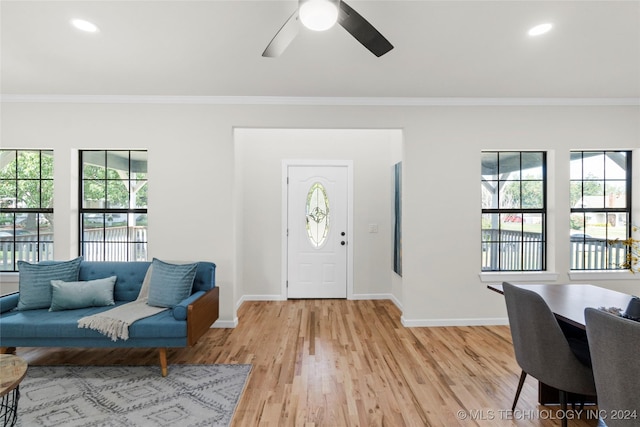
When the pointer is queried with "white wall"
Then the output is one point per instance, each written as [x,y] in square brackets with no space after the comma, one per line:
[193,169]
[261,152]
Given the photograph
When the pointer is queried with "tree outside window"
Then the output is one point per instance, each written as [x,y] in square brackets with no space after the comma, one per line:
[600,197]
[113,212]
[26,207]
[513,211]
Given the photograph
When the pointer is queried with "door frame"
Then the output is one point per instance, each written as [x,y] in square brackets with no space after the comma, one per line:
[285,198]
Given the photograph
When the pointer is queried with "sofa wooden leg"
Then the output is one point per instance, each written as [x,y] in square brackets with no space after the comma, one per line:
[7,350]
[163,361]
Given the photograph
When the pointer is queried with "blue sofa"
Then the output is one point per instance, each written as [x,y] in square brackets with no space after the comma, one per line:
[180,326]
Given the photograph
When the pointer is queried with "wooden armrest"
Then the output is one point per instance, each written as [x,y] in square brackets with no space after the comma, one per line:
[201,314]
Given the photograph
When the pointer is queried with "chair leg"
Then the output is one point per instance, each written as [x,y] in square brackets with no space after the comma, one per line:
[563,406]
[523,376]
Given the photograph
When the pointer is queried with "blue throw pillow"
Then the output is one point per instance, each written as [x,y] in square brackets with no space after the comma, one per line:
[35,281]
[170,283]
[92,293]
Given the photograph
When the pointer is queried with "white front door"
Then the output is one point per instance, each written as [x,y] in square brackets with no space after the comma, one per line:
[317,234]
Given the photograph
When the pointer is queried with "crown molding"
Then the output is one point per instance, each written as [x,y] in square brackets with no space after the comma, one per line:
[316,100]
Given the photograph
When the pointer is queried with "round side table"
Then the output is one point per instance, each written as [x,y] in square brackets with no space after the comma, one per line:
[12,371]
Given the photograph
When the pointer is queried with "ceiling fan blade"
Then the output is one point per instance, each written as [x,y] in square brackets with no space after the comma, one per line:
[283,37]
[363,31]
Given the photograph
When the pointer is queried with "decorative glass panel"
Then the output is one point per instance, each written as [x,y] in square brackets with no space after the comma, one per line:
[317,211]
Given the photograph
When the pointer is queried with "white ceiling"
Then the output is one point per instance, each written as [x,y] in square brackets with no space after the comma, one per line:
[213,48]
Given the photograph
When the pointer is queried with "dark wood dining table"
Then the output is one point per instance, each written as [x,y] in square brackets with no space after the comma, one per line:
[568,302]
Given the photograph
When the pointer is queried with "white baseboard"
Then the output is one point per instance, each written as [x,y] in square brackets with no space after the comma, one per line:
[352,297]
[422,323]
[222,324]
[408,323]
[225,324]
[259,298]
[281,298]
[391,297]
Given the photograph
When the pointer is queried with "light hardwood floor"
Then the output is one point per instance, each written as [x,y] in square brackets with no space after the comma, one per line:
[352,363]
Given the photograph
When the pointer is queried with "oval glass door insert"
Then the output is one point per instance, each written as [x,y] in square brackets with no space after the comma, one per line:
[317,211]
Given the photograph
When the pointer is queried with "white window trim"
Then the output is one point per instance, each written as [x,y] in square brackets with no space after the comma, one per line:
[511,276]
[583,275]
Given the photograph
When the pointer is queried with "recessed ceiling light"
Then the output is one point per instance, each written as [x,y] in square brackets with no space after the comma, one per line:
[83,25]
[540,29]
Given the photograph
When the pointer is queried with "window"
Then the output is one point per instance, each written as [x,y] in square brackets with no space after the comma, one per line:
[600,209]
[26,207]
[113,205]
[513,211]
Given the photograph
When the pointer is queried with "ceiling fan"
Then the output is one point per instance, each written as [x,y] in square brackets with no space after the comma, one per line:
[320,15]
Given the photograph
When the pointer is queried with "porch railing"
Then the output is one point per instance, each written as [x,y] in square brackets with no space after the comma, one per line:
[514,251]
[597,254]
[25,248]
[504,250]
[119,244]
[113,244]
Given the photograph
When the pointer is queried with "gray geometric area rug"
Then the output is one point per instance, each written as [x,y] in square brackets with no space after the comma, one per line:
[130,396]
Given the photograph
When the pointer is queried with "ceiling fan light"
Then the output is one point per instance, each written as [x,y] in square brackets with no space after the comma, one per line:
[318,15]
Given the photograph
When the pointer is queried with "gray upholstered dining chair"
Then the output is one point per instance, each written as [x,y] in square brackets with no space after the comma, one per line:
[614,343]
[541,348]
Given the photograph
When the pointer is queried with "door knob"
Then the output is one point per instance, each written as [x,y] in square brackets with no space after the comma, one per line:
[343,233]
[343,243]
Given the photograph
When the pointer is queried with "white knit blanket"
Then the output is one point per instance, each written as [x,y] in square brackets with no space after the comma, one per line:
[115,323]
